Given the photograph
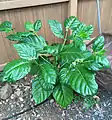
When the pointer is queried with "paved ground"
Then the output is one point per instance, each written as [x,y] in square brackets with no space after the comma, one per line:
[21,100]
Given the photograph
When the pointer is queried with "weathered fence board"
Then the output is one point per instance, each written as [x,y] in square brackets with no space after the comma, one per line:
[87,12]
[39,9]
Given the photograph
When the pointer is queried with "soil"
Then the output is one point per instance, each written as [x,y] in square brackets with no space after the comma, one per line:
[21,99]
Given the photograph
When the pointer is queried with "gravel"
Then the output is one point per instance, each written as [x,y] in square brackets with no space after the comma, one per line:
[21,99]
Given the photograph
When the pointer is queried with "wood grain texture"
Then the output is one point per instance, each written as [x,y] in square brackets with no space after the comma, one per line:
[73,7]
[19,16]
[11,4]
[87,13]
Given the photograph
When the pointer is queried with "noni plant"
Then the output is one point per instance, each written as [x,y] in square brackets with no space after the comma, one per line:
[59,69]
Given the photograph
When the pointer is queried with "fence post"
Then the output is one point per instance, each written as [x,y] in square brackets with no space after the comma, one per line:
[72,8]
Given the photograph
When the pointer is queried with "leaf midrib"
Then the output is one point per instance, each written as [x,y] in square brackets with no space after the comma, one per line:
[20,64]
[83,77]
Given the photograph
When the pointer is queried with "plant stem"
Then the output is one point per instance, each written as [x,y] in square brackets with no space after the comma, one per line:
[65,39]
[44,59]
[13,31]
[35,33]
[36,62]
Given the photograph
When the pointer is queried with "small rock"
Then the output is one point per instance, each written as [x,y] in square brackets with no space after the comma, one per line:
[21,99]
[12,96]
[63,114]
[22,105]
[38,115]
[12,106]
[5,92]
[7,100]
[51,101]
[18,93]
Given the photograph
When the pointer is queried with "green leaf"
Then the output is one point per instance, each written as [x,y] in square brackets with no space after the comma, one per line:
[37,42]
[16,70]
[18,36]
[47,72]
[56,28]
[96,62]
[29,26]
[80,79]
[70,54]
[80,44]
[98,44]
[63,95]
[37,25]
[64,75]
[83,32]
[71,22]
[89,102]
[34,69]
[26,51]
[54,49]
[6,26]
[39,93]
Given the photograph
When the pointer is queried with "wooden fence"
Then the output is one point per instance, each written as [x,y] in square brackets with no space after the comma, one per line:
[19,11]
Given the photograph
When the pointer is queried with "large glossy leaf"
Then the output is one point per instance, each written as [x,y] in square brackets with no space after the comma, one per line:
[6,26]
[16,70]
[37,25]
[37,42]
[26,51]
[96,62]
[29,26]
[18,36]
[47,72]
[80,45]
[98,44]
[56,28]
[63,95]
[39,92]
[69,54]
[83,32]
[80,79]
[71,22]
[54,49]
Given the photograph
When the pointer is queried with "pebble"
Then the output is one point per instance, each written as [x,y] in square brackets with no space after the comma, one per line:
[104,104]
[12,106]
[12,96]
[38,115]
[52,101]
[5,91]
[18,93]
[21,99]
[7,100]
[22,105]
[63,114]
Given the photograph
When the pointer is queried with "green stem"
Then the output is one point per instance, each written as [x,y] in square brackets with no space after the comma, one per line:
[44,59]
[13,31]
[65,39]
[35,33]
[36,62]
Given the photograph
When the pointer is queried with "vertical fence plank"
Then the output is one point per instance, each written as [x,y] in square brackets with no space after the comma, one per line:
[58,11]
[73,7]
